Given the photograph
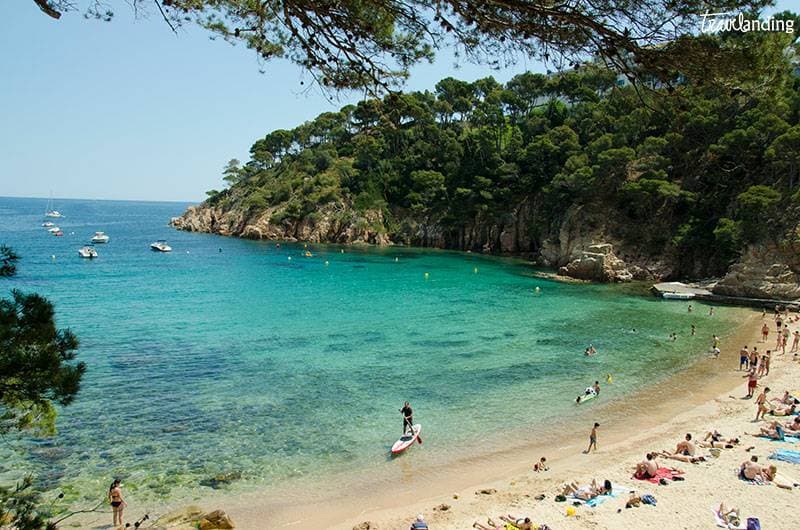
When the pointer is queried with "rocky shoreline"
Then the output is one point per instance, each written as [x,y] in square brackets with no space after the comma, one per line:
[580,250]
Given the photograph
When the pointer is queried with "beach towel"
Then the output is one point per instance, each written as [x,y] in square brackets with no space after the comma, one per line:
[722,524]
[663,472]
[786,455]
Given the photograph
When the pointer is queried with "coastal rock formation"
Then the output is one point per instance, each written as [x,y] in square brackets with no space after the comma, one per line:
[331,223]
[598,263]
[764,272]
[192,518]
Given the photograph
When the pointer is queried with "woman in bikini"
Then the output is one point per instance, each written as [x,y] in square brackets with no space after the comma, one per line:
[117,502]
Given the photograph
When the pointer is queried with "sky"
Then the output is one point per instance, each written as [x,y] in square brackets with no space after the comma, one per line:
[128,110]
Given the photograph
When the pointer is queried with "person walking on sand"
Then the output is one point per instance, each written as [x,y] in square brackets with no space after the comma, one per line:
[754,358]
[764,332]
[765,362]
[761,403]
[796,341]
[593,438]
[118,504]
[744,358]
[752,381]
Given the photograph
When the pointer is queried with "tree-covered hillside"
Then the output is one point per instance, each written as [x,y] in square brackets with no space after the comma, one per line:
[692,175]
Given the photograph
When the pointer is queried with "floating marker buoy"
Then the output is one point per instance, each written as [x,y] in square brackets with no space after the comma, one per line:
[53,256]
[342,251]
[538,290]
[290,258]
[397,259]
[475,270]
[326,263]
[427,275]
[305,245]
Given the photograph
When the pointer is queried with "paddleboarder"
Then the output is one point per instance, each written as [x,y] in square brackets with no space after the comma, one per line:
[408,417]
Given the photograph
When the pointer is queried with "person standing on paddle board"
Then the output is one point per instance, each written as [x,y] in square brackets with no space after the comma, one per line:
[408,417]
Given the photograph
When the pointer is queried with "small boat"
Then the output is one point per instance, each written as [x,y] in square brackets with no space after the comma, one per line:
[88,252]
[100,237]
[161,246]
[49,211]
[677,296]
[54,229]
[407,440]
[48,224]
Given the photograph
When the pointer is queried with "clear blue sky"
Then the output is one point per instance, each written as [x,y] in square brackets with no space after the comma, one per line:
[128,110]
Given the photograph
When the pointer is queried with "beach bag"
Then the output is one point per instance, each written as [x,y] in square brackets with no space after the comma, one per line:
[753,523]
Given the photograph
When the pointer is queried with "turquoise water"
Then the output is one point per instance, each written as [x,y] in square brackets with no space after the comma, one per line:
[226,356]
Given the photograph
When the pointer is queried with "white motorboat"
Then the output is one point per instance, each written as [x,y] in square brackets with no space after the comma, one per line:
[100,237]
[54,229]
[48,224]
[88,252]
[161,246]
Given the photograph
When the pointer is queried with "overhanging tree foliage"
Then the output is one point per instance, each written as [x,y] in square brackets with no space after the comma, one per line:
[373,43]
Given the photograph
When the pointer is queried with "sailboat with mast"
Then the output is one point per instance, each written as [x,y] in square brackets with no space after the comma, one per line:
[50,211]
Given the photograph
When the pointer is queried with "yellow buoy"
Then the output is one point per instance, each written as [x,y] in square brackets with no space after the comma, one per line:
[305,245]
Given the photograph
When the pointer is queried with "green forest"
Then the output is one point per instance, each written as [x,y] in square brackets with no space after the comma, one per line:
[689,172]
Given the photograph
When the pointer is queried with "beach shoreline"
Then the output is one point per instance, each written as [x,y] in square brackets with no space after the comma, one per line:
[694,399]
[693,396]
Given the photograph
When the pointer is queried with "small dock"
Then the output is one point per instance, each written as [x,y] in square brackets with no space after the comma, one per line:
[683,291]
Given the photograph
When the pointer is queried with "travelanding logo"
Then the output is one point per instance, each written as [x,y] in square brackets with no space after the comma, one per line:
[714,22]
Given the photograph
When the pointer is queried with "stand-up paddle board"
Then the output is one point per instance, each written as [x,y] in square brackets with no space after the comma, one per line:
[407,440]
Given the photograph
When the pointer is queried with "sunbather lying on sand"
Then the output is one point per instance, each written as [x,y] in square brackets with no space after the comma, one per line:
[587,492]
[729,517]
[774,431]
[792,427]
[647,468]
[770,473]
[751,470]
[518,522]
[492,525]
[783,410]
[681,458]
[786,399]
[715,439]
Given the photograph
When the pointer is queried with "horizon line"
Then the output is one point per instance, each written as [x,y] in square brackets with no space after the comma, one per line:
[96,199]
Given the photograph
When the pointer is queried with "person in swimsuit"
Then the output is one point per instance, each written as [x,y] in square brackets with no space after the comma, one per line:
[752,381]
[647,468]
[764,332]
[593,438]
[744,358]
[761,403]
[518,522]
[117,502]
[408,418]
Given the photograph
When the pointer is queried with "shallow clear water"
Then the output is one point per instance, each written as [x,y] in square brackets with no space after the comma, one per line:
[226,356]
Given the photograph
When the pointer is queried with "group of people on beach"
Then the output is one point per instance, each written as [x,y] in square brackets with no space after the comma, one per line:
[688,450]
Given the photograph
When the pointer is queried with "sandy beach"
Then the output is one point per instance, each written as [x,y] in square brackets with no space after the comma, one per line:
[706,396]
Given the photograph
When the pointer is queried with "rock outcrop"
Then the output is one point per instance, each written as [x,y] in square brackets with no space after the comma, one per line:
[331,223]
[193,518]
[764,272]
[597,263]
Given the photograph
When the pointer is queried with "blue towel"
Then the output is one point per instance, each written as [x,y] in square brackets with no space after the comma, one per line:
[600,499]
[786,455]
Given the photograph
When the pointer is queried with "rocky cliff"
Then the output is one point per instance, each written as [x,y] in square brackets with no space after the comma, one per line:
[769,272]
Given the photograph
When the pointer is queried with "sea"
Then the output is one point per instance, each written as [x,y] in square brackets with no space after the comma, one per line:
[238,365]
